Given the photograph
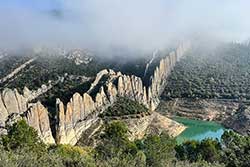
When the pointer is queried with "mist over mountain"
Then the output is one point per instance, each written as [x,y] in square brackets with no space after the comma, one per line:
[132,24]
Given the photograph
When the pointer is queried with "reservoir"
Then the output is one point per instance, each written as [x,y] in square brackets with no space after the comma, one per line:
[199,130]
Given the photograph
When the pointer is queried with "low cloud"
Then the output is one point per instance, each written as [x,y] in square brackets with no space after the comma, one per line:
[133,24]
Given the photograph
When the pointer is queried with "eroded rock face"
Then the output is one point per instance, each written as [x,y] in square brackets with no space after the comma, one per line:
[10,101]
[14,106]
[161,124]
[38,118]
[3,112]
[152,124]
[81,112]
[32,94]
[98,78]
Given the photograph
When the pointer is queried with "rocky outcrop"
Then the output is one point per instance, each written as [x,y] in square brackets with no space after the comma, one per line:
[38,118]
[158,80]
[153,124]
[80,56]
[161,124]
[81,111]
[150,62]
[14,106]
[138,127]
[33,94]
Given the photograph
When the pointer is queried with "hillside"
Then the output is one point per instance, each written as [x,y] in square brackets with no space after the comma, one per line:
[219,73]
[211,84]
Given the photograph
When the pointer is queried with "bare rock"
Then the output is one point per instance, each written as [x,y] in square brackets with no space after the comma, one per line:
[3,112]
[37,117]
[89,104]
[10,101]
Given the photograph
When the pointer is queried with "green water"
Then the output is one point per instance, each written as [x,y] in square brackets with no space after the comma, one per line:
[198,130]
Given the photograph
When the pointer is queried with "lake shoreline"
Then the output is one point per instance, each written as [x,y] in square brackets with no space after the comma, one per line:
[198,129]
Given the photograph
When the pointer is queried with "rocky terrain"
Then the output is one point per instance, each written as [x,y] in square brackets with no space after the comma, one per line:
[77,115]
[80,56]
[153,124]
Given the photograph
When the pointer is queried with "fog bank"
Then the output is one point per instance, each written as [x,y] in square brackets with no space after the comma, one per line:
[132,24]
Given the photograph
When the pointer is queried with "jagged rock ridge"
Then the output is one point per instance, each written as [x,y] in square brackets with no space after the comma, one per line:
[82,111]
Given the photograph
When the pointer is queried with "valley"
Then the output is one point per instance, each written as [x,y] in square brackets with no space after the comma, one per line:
[69,101]
[210,84]
[94,83]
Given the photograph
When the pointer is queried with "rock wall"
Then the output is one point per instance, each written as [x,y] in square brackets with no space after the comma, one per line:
[82,111]
[14,105]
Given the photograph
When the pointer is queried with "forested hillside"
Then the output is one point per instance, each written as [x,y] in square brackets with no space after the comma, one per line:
[221,73]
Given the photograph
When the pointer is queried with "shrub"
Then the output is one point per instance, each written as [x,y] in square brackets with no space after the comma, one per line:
[21,135]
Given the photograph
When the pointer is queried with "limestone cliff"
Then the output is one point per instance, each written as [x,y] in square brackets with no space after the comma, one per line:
[82,111]
[38,118]
[74,117]
[14,106]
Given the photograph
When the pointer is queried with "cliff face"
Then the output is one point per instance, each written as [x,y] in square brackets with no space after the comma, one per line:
[82,111]
[14,106]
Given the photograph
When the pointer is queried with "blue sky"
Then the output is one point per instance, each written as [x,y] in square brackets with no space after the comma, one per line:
[33,4]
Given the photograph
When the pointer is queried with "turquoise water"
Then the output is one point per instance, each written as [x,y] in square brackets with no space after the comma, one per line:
[199,130]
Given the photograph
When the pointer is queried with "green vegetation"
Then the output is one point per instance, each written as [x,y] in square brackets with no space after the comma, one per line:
[50,68]
[20,135]
[222,73]
[125,107]
[233,150]
[22,147]
[9,63]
